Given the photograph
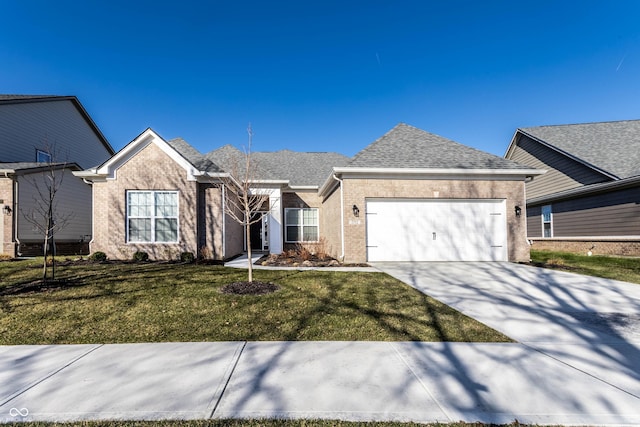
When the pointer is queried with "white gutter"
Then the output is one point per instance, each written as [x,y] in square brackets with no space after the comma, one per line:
[443,173]
[440,171]
[341,215]
[224,222]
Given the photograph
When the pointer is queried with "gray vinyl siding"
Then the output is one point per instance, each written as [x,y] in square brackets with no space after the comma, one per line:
[534,221]
[74,197]
[609,214]
[25,127]
[563,173]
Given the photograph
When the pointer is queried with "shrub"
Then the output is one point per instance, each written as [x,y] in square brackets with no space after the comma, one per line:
[205,253]
[98,256]
[303,252]
[187,257]
[140,256]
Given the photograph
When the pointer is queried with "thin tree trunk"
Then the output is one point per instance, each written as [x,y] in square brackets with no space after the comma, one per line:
[248,229]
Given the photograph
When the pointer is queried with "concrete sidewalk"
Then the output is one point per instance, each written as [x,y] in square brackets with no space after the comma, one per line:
[423,382]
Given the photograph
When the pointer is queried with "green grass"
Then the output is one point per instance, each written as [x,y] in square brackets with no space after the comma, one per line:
[156,302]
[625,269]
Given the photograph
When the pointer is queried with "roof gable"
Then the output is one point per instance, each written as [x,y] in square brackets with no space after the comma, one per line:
[408,147]
[177,149]
[610,147]
[15,99]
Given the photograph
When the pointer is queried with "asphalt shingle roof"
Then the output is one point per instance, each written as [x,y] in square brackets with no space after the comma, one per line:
[613,147]
[33,165]
[194,157]
[299,168]
[405,146]
[9,97]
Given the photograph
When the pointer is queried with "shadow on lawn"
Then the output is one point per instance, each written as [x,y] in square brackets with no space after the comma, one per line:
[39,286]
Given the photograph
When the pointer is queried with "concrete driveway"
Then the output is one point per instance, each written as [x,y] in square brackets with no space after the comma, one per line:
[577,363]
[590,324]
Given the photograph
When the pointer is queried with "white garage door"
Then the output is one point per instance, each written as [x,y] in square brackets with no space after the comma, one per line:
[436,230]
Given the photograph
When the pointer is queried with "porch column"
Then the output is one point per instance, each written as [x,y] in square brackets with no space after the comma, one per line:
[275,221]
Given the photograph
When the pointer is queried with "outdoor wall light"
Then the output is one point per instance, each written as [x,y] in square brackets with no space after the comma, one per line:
[7,210]
[356,211]
[518,211]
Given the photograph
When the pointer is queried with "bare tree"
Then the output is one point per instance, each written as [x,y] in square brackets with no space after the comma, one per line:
[244,200]
[44,214]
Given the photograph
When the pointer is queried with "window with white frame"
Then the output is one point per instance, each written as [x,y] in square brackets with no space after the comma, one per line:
[301,225]
[152,216]
[547,224]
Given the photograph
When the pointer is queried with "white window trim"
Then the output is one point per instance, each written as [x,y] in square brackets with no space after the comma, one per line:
[550,222]
[301,225]
[153,218]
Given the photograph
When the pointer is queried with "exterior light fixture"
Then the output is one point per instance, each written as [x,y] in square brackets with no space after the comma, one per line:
[356,211]
[7,210]
[518,211]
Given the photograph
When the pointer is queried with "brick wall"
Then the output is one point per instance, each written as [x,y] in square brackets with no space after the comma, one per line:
[618,247]
[7,246]
[149,169]
[356,191]
[303,199]
[330,224]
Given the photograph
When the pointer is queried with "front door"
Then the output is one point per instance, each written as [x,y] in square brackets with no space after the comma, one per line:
[260,232]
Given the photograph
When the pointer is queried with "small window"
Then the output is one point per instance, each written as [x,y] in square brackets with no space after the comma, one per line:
[301,225]
[547,221]
[152,216]
[43,157]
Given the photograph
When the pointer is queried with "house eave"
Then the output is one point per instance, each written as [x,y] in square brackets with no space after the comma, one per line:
[428,173]
[586,190]
[562,152]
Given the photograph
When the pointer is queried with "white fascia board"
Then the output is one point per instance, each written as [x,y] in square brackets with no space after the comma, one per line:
[303,187]
[269,181]
[444,172]
[147,137]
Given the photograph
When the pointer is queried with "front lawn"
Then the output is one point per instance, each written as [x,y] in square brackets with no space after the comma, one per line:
[159,302]
[617,268]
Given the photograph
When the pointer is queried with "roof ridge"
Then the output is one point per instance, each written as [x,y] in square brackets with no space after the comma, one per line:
[581,124]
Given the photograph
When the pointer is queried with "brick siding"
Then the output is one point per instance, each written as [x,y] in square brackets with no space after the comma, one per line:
[617,247]
[356,191]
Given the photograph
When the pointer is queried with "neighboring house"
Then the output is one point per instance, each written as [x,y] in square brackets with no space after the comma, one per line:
[410,195]
[589,200]
[31,127]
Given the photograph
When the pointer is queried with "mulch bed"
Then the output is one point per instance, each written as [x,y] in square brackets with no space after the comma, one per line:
[288,260]
[249,288]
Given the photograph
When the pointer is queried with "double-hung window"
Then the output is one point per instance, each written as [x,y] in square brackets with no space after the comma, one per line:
[301,225]
[152,216]
[547,221]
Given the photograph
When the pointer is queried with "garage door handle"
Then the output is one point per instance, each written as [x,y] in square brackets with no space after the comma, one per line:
[434,235]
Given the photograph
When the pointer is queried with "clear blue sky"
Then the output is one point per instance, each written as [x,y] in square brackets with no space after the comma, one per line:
[326,75]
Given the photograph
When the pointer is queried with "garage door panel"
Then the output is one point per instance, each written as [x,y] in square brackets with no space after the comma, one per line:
[436,230]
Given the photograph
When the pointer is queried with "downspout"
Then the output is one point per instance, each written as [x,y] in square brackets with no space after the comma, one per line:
[15,215]
[224,222]
[341,216]
[93,215]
